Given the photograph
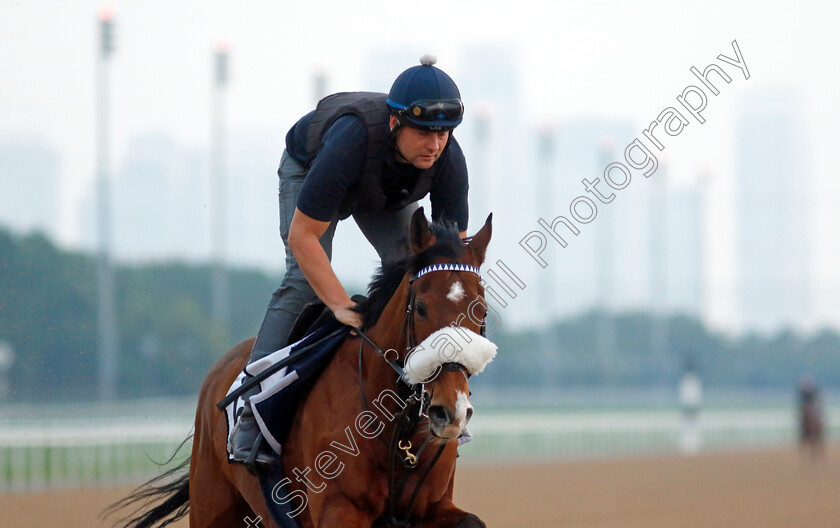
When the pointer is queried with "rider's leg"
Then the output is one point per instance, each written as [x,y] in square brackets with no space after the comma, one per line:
[283,308]
[387,231]
[294,292]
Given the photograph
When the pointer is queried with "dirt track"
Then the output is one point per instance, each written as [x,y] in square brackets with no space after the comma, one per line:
[742,490]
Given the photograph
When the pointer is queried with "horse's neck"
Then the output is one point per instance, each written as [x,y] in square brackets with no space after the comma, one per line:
[388,332]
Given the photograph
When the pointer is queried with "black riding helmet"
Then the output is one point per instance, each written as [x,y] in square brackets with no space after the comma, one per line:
[427,98]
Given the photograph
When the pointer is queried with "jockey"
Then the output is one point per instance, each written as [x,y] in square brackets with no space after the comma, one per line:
[370,156]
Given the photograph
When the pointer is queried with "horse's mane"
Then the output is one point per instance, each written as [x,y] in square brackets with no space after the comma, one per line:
[448,244]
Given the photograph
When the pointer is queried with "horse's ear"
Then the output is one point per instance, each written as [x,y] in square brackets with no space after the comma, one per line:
[478,244]
[420,235]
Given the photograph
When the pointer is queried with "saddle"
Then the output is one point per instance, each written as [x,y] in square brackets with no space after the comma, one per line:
[285,376]
[314,315]
[312,342]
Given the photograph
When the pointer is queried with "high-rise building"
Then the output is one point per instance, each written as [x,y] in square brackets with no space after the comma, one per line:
[254,236]
[493,132]
[381,67]
[604,266]
[684,248]
[160,201]
[29,185]
[773,182]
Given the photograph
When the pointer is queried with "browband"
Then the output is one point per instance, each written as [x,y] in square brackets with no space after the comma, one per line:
[445,267]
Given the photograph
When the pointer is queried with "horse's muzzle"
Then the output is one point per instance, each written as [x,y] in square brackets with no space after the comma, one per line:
[443,423]
[440,416]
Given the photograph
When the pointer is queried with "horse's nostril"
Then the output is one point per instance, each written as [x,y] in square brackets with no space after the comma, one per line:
[440,415]
[469,414]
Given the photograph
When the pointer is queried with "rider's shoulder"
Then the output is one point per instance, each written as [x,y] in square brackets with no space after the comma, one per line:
[348,124]
[347,129]
[453,157]
[455,147]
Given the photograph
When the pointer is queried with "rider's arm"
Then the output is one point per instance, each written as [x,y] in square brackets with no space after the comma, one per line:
[304,241]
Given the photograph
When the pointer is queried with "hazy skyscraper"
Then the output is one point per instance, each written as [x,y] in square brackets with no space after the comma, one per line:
[489,80]
[253,222]
[381,67]
[160,201]
[619,231]
[29,185]
[773,181]
[684,248]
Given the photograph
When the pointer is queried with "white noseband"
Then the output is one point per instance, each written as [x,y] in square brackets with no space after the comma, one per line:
[448,345]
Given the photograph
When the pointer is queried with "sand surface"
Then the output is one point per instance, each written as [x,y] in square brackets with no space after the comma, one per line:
[756,489]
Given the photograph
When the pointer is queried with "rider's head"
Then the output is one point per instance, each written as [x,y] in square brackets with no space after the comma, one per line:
[425,106]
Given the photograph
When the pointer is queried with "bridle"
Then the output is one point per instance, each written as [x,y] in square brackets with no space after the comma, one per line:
[411,341]
[417,389]
[415,406]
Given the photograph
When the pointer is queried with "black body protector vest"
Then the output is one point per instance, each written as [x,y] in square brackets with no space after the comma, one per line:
[368,194]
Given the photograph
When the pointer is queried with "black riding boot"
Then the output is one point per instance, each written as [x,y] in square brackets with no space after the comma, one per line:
[246,443]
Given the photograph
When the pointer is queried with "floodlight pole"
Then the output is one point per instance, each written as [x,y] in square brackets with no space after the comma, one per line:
[660,338]
[108,341]
[483,123]
[220,290]
[543,200]
[605,334]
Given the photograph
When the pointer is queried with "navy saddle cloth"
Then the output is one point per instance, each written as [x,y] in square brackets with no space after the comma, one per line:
[280,394]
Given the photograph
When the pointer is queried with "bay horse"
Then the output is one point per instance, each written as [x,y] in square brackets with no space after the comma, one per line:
[357,482]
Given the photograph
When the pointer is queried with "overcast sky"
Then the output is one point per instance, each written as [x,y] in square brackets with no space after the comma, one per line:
[618,60]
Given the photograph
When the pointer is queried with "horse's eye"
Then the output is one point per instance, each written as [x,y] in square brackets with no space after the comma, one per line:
[421,309]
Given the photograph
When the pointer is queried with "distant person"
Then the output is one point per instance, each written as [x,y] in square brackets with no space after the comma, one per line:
[7,359]
[811,441]
[691,399]
[367,155]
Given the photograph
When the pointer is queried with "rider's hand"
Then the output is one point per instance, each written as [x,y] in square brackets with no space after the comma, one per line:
[346,315]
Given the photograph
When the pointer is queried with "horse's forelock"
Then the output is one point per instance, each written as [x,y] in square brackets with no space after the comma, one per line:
[448,245]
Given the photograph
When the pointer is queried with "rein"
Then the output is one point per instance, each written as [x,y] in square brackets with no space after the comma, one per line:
[408,420]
